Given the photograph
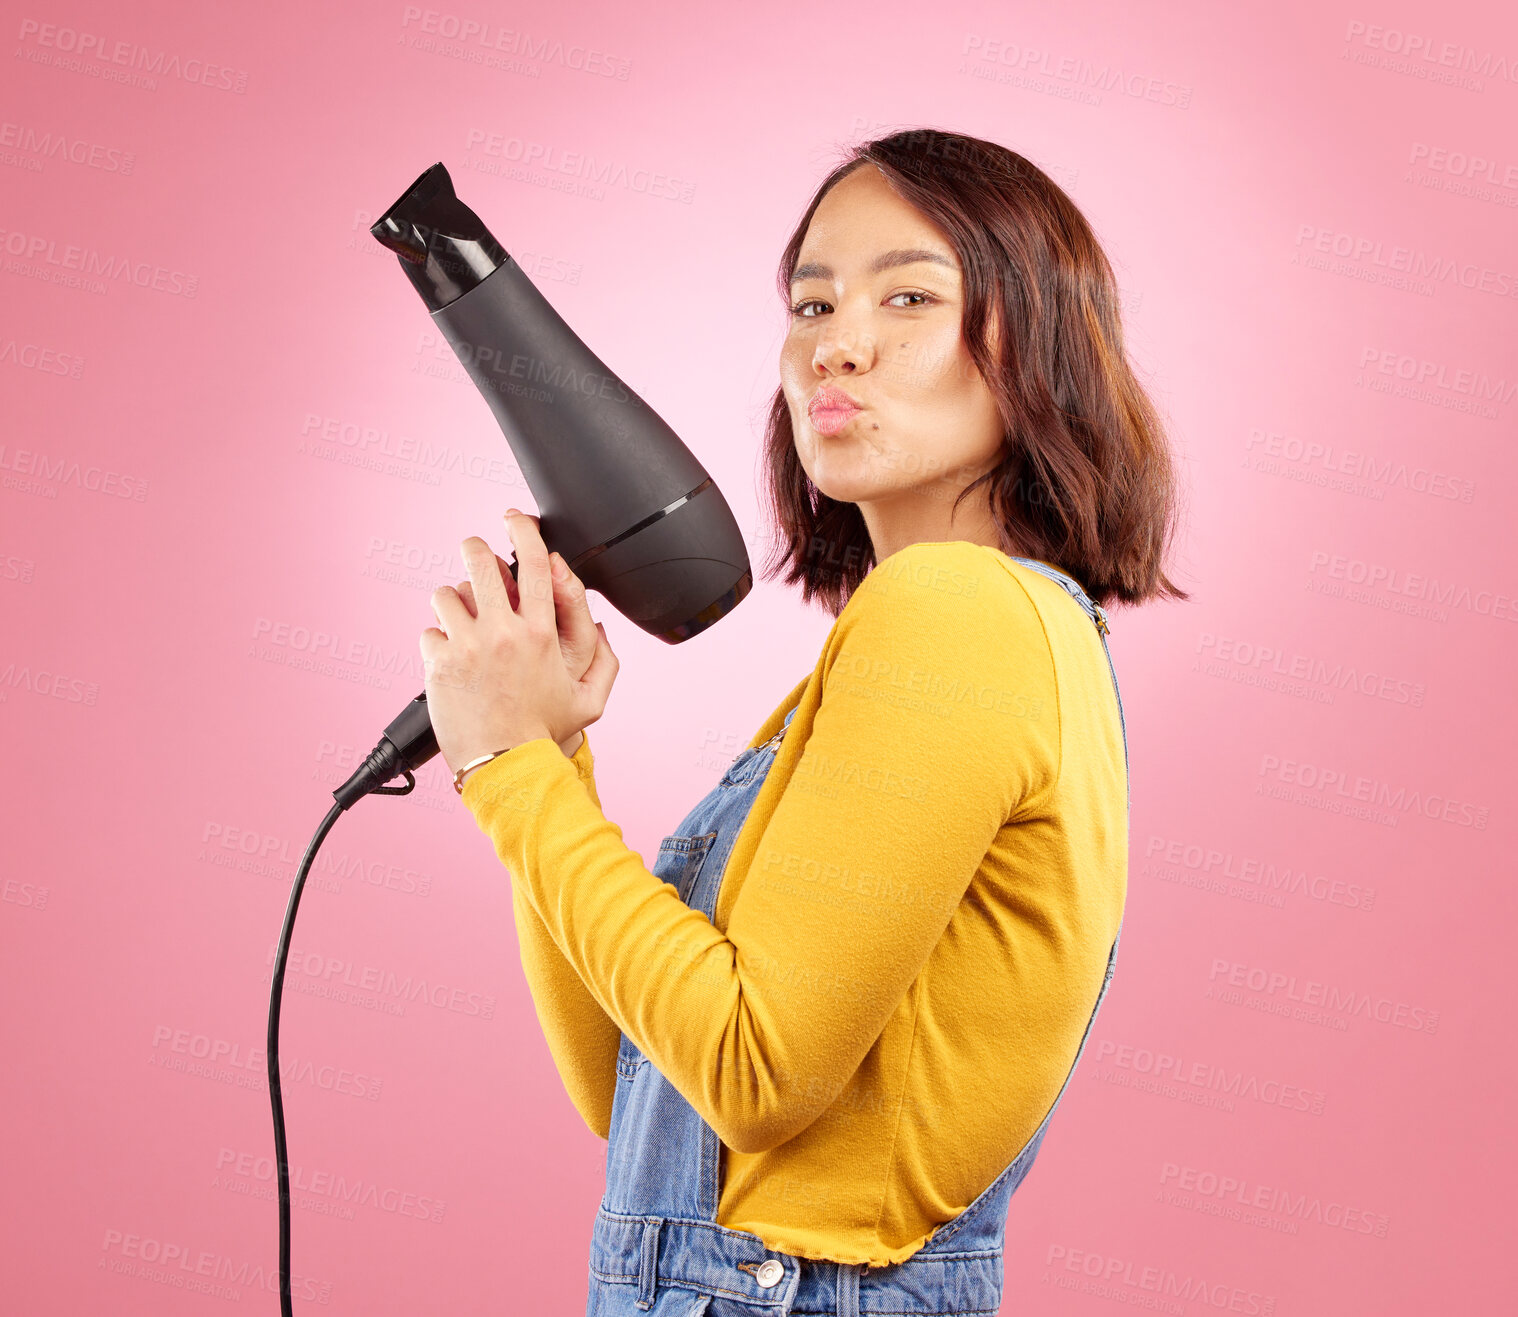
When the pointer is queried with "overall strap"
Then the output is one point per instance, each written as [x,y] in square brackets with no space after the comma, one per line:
[1098,615]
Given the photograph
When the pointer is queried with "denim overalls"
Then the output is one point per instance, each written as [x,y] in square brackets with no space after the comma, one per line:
[657,1250]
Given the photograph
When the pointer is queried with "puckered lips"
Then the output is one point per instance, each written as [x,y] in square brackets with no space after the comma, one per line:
[830,409]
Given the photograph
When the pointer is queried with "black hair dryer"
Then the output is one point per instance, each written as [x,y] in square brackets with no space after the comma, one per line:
[620,497]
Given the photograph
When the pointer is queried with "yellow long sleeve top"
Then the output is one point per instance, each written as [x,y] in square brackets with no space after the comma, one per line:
[912,927]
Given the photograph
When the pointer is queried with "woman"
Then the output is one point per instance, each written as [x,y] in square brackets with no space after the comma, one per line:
[825,1035]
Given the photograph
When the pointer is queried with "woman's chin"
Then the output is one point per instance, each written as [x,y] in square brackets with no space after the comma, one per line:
[845,482]
[850,469]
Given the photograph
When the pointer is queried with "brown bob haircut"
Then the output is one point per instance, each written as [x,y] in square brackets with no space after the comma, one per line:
[1085,480]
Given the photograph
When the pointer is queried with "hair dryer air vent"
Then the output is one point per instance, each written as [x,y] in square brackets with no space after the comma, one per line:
[443,245]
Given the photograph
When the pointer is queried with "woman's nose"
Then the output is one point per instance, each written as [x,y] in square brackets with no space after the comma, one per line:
[844,349]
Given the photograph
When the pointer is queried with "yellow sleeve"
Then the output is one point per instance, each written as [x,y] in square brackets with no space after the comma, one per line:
[937,724]
[582,1039]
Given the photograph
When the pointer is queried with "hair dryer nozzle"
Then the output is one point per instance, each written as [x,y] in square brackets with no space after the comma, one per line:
[443,246]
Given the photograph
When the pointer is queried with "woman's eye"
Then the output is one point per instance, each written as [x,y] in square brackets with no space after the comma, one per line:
[800,308]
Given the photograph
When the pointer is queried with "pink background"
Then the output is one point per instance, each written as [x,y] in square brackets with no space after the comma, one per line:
[1314,232]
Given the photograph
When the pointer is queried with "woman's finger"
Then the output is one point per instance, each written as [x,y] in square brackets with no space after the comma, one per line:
[597,682]
[466,588]
[535,604]
[577,630]
[450,610]
[510,581]
[491,602]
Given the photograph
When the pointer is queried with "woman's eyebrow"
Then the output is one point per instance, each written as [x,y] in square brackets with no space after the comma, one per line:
[885,261]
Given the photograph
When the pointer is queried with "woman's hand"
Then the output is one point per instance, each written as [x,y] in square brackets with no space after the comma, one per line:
[532,664]
[578,632]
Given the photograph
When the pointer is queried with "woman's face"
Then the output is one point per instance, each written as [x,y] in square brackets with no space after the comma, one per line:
[890,339]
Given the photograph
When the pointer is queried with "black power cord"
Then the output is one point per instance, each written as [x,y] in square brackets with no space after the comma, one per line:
[408,742]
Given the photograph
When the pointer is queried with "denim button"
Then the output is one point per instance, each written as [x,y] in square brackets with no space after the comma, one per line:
[769,1273]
